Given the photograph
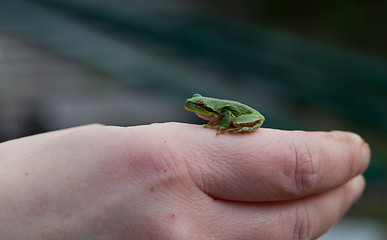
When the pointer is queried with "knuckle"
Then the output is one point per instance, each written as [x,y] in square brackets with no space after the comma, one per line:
[303,223]
[304,162]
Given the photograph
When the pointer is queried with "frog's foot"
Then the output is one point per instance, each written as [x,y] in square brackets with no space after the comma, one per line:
[222,130]
[211,125]
[234,130]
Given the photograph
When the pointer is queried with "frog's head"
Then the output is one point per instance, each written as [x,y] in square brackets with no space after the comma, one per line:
[201,106]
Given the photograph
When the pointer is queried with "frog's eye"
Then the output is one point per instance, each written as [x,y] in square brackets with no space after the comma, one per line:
[199,104]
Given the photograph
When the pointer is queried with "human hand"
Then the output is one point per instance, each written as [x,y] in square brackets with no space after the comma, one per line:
[177,181]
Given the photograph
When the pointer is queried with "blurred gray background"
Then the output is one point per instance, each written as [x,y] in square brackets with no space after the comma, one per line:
[304,65]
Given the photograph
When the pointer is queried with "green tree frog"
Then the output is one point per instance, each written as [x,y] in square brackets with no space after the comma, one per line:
[225,115]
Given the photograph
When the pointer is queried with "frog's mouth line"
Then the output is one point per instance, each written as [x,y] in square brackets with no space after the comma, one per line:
[210,110]
[197,109]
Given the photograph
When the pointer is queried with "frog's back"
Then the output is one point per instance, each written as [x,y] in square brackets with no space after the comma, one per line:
[237,108]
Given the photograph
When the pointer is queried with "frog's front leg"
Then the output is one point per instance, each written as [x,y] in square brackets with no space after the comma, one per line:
[226,121]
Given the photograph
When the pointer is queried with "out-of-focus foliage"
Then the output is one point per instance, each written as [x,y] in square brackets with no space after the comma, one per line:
[353,25]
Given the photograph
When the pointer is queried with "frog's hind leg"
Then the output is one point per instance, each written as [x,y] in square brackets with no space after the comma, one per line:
[246,129]
[247,123]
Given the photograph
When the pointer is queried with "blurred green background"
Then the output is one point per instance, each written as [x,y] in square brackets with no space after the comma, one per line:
[304,65]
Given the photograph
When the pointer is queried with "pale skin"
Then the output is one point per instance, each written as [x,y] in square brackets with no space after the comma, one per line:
[178,181]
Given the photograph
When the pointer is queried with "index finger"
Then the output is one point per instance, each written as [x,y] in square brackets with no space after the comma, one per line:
[273,164]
